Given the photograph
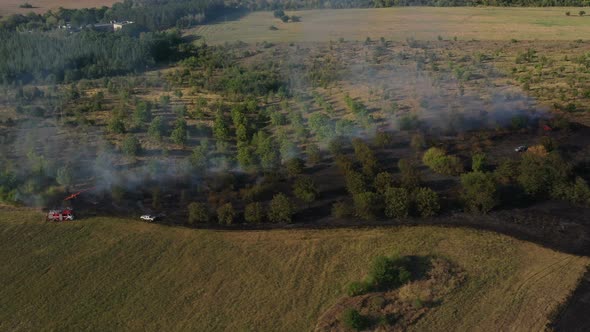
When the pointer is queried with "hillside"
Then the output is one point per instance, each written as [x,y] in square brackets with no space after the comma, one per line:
[105,274]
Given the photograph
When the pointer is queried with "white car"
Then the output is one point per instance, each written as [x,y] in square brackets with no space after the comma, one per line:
[521,148]
[148,217]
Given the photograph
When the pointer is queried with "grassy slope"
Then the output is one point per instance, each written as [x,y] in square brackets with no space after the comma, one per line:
[106,274]
[424,23]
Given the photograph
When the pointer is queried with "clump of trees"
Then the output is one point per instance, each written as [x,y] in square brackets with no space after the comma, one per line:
[386,273]
[440,162]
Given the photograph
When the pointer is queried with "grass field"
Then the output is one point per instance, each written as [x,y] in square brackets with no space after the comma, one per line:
[425,23]
[106,274]
[41,6]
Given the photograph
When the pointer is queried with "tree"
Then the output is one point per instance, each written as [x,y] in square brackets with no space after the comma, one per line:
[294,166]
[116,125]
[478,162]
[198,213]
[410,175]
[365,205]
[305,189]
[280,209]
[341,210]
[437,160]
[226,214]
[131,146]
[313,154]
[254,213]
[64,176]
[221,128]
[538,173]
[479,191]
[142,113]
[426,201]
[382,182]
[581,13]
[355,183]
[156,199]
[397,202]
[156,129]
[180,133]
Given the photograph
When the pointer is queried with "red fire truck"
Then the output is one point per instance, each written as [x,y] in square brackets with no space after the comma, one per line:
[61,215]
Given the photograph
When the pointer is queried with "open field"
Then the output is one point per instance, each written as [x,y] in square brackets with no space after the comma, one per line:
[423,23]
[41,6]
[106,274]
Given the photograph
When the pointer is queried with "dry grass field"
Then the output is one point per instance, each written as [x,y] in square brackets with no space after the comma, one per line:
[113,274]
[41,6]
[424,23]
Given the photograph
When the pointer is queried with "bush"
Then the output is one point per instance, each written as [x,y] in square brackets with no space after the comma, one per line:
[294,166]
[351,318]
[305,189]
[226,214]
[388,273]
[254,213]
[357,288]
[427,202]
[198,213]
[538,174]
[577,192]
[280,209]
[479,191]
[397,203]
[437,160]
[365,205]
[341,210]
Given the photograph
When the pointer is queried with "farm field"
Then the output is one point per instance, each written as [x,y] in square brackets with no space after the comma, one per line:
[41,6]
[423,23]
[107,274]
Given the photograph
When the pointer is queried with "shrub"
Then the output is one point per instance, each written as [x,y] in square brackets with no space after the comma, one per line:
[226,214]
[351,318]
[479,191]
[397,203]
[365,205]
[577,192]
[427,202]
[305,189]
[388,273]
[197,213]
[437,160]
[341,210]
[538,174]
[357,288]
[280,209]
[254,213]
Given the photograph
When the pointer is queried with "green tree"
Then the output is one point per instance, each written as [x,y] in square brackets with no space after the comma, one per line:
[397,202]
[116,125]
[305,189]
[254,213]
[341,210]
[410,175]
[198,213]
[131,146]
[479,191]
[280,209]
[355,183]
[64,176]
[478,162]
[294,166]
[382,182]
[180,133]
[156,129]
[427,202]
[437,160]
[226,214]
[221,128]
[142,113]
[365,205]
[354,320]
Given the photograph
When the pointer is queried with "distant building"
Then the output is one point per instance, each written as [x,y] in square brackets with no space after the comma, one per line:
[119,25]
